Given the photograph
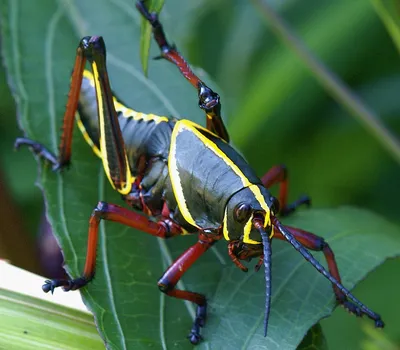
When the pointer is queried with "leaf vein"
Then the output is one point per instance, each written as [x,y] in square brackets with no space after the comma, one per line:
[23,101]
[109,283]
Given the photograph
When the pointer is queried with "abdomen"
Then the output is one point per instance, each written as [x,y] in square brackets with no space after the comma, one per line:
[146,136]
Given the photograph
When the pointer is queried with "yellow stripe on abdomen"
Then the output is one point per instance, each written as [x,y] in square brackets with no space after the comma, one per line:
[125,111]
[86,136]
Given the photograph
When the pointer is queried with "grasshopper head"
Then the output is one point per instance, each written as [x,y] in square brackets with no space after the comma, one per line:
[241,210]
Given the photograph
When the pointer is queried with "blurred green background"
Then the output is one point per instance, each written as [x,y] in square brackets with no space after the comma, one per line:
[290,119]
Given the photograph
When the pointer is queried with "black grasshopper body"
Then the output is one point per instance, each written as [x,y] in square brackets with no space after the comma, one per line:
[180,178]
[199,163]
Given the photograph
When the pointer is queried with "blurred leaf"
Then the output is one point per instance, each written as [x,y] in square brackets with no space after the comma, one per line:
[377,340]
[27,323]
[331,82]
[130,311]
[334,151]
[231,57]
[314,339]
[325,77]
[8,132]
[279,72]
[146,33]
[389,12]
[380,289]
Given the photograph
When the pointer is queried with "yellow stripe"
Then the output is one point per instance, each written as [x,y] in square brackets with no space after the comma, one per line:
[199,127]
[129,178]
[125,111]
[225,229]
[175,178]
[127,186]
[86,135]
[89,76]
[212,146]
[257,193]
[247,230]
[101,121]
[173,168]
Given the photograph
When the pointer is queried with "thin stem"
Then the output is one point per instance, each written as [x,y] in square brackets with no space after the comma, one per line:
[389,12]
[330,81]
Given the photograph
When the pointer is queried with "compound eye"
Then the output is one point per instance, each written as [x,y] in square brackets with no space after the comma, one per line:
[275,205]
[242,212]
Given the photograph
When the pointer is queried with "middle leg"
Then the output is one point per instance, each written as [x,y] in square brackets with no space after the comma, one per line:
[278,175]
[111,212]
[175,272]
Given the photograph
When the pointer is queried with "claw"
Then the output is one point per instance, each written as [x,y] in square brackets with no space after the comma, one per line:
[60,166]
[67,285]
[48,286]
[40,150]
[305,200]
[293,206]
[159,57]
[354,309]
[199,322]
[194,337]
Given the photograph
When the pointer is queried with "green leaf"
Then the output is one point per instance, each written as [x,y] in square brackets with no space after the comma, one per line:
[146,34]
[376,340]
[389,12]
[280,72]
[331,82]
[300,295]
[130,311]
[314,339]
[29,323]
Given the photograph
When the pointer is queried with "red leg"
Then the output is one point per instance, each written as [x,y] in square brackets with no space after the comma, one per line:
[69,117]
[314,242]
[112,212]
[174,273]
[112,145]
[208,100]
[278,175]
[72,105]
